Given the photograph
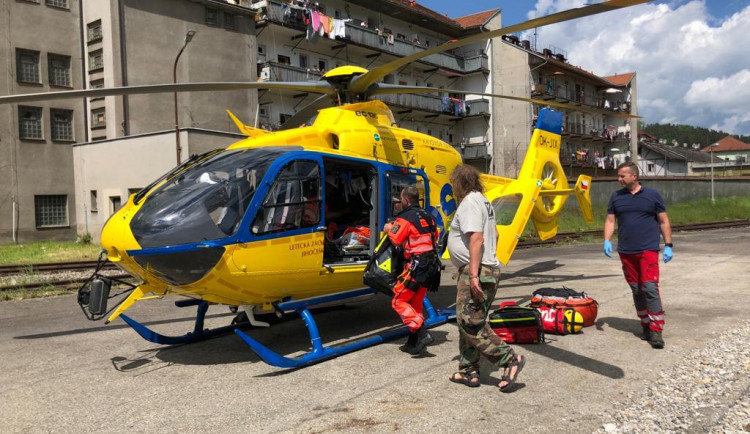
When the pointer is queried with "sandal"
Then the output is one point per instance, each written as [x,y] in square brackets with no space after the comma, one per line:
[470,379]
[518,362]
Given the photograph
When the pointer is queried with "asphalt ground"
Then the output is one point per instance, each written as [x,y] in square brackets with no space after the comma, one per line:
[62,373]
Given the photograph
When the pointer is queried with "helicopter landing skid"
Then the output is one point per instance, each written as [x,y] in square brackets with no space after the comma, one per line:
[198,333]
[319,352]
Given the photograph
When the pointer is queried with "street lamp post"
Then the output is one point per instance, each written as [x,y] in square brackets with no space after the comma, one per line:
[711,151]
[188,37]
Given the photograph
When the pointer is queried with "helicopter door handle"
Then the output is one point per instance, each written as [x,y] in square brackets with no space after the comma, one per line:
[321,228]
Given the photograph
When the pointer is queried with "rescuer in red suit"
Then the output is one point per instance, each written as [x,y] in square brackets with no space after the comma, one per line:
[416,231]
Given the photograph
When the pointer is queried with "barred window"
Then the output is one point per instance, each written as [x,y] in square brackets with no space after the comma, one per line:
[58,3]
[98,118]
[51,210]
[212,16]
[230,21]
[62,124]
[94,30]
[59,70]
[96,60]
[94,201]
[30,122]
[27,66]
[96,84]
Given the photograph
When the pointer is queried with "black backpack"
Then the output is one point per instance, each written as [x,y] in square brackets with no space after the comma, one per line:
[384,267]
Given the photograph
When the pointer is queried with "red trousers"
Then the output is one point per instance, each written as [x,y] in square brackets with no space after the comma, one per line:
[408,297]
[642,274]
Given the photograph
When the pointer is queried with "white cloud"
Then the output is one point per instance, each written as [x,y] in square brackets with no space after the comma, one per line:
[729,94]
[691,68]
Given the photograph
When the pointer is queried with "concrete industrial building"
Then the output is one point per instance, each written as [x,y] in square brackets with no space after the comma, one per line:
[42,53]
[134,42]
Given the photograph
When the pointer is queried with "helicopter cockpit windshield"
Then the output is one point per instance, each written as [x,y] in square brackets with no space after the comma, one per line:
[205,202]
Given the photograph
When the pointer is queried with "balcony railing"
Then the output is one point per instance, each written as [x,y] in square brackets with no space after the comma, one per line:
[436,104]
[477,107]
[273,71]
[586,98]
[370,38]
[472,151]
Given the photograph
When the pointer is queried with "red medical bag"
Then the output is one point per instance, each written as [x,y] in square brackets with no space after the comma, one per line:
[517,325]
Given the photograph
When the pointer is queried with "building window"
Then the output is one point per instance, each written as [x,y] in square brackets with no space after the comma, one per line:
[27,64]
[96,60]
[96,84]
[95,31]
[212,17]
[650,167]
[63,4]
[94,201]
[98,118]
[51,210]
[302,61]
[59,70]
[30,122]
[283,118]
[322,65]
[115,203]
[284,60]
[230,21]
[62,124]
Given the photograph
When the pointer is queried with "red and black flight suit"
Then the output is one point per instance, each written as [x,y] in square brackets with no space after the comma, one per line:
[416,231]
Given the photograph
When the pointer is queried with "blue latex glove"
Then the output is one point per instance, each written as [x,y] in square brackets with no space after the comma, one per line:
[608,250]
[667,256]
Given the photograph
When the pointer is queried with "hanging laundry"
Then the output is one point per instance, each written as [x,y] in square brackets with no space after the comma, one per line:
[323,25]
[339,28]
[446,106]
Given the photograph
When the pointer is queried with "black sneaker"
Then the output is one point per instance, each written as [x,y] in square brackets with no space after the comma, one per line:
[424,338]
[656,340]
[408,347]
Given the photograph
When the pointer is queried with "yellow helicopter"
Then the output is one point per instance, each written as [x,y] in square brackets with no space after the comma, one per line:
[287,220]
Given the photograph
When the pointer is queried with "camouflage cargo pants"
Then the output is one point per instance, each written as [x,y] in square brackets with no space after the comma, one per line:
[475,335]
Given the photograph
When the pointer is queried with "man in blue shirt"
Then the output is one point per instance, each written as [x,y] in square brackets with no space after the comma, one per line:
[641,217]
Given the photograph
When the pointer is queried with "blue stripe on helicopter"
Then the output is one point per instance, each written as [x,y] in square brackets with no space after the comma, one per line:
[550,121]
[243,233]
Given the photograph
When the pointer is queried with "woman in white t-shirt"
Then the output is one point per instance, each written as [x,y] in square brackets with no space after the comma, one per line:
[472,242]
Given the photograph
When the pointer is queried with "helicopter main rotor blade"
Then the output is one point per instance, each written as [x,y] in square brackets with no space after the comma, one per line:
[308,111]
[304,86]
[384,89]
[362,83]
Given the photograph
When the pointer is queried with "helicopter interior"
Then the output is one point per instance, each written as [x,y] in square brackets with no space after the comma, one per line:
[353,207]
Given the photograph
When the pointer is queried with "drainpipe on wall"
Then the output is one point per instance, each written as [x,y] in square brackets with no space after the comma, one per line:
[13,228]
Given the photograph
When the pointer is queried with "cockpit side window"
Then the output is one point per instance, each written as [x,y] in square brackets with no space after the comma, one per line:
[293,201]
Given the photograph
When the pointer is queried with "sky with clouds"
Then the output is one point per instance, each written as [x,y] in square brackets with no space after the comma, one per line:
[692,57]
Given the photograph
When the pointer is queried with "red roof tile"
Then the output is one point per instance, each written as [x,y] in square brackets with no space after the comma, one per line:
[477,19]
[728,143]
[620,79]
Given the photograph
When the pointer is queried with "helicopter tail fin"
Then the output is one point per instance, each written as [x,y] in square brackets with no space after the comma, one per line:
[513,202]
[244,129]
[583,194]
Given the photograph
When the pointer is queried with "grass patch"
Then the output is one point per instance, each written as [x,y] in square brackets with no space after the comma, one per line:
[35,253]
[698,211]
[22,294]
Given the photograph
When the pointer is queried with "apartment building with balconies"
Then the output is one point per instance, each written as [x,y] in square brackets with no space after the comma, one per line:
[370,34]
[595,136]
